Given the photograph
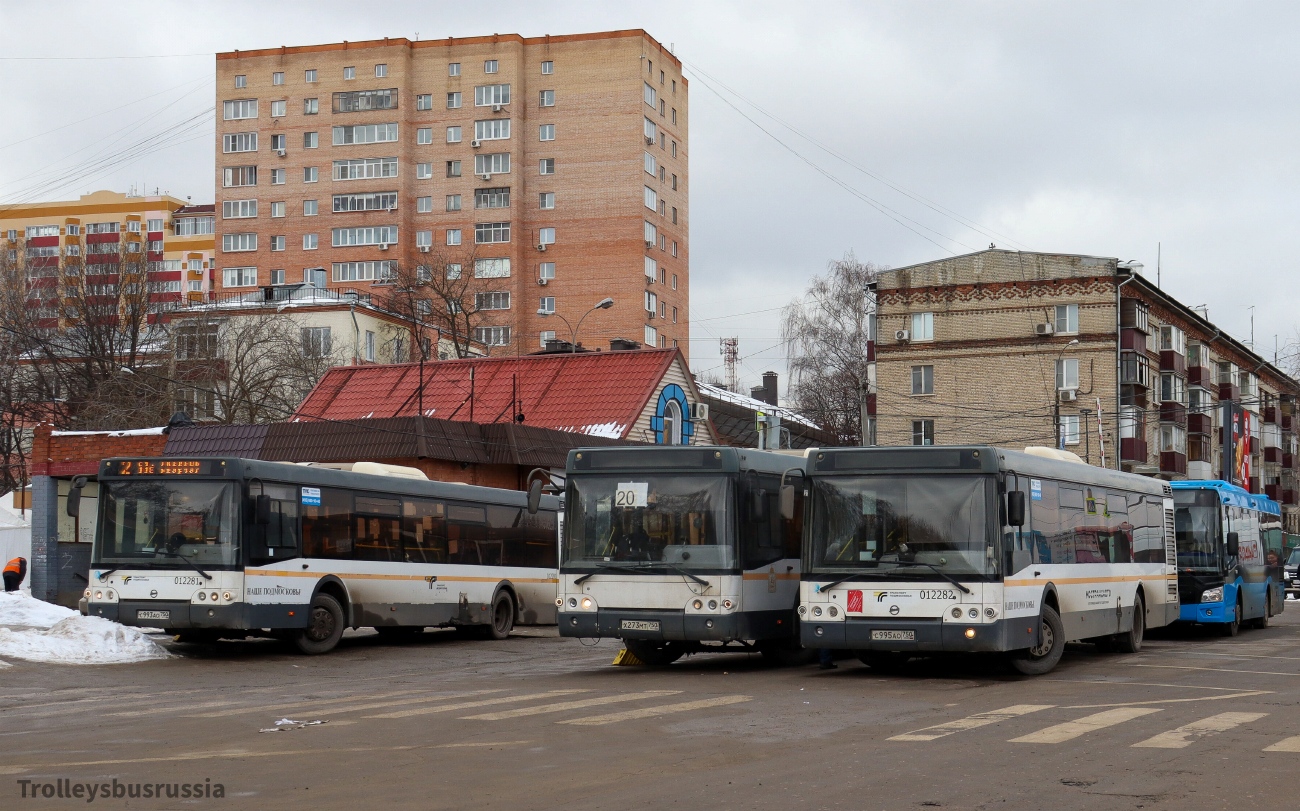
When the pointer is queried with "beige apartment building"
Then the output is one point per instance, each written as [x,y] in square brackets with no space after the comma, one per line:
[1081,352]
[553,169]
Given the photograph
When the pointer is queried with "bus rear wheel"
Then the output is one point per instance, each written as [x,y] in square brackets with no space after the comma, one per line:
[1131,642]
[503,617]
[1234,627]
[1263,621]
[324,626]
[656,653]
[1051,646]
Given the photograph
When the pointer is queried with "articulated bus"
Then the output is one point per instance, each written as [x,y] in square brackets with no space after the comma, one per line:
[681,550]
[224,547]
[913,551]
[1230,548]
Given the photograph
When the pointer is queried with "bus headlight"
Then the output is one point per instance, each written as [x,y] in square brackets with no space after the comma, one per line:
[697,605]
[817,611]
[586,603]
[225,595]
[203,595]
[214,596]
[727,604]
[713,605]
[956,613]
[99,595]
[573,602]
[833,611]
[87,594]
[970,633]
[803,609]
[973,613]
[1214,595]
[559,602]
[990,612]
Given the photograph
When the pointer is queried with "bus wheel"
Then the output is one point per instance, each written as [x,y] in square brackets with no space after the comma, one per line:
[1262,622]
[324,626]
[653,652]
[1131,642]
[1232,628]
[503,617]
[883,661]
[1041,659]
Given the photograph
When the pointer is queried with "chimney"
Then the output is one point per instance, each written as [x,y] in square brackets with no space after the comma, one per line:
[769,383]
[623,344]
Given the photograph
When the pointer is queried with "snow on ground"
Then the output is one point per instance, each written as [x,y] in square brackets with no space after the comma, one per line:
[38,631]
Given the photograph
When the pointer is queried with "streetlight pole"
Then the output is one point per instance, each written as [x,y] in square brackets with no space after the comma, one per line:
[1057,399]
[603,304]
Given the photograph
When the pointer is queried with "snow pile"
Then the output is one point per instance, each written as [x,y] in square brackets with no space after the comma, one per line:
[37,631]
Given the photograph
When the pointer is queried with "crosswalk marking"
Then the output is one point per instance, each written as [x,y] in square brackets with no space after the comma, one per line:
[971,722]
[650,712]
[1183,737]
[1070,730]
[327,703]
[465,705]
[1291,744]
[568,705]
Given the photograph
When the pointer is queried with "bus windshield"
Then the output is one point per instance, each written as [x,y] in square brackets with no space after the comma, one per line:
[902,524]
[164,523]
[634,519]
[1197,529]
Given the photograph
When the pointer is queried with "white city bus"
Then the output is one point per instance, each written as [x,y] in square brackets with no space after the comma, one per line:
[680,550]
[224,547]
[919,550]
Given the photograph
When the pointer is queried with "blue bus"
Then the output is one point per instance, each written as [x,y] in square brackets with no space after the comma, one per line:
[1230,547]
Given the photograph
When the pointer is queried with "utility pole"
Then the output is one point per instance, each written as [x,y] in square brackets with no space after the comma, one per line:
[730,348]
[1087,438]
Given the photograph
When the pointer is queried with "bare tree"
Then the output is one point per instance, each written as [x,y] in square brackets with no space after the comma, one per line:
[826,333]
[447,295]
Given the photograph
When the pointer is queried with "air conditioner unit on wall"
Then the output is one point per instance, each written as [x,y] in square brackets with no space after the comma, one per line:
[543,282]
[280,152]
[541,246]
[476,143]
[424,249]
[700,411]
[383,246]
[902,336]
[1069,395]
[650,140]
[496,108]
[485,176]
[1044,329]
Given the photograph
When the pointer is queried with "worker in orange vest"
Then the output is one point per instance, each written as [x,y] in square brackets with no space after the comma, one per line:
[15,571]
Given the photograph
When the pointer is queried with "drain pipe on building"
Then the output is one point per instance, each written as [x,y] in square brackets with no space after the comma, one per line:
[1131,267]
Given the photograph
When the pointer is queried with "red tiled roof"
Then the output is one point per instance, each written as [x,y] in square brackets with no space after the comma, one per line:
[597,393]
[208,208]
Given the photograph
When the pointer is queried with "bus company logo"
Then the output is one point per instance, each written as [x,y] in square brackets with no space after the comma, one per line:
[880,595]
[126,580]
[153,594]
[893,609]
[855,601]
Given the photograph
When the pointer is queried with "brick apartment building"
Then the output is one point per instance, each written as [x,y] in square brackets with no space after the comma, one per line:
[1082,352]
[555,167]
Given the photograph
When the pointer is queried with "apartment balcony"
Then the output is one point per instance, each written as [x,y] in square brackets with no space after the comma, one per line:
[1273,455]
[1272,414]
[1173,412]
[1229,391]
[1131,340]
[1173,462]
[871,405]
[1273,491]
[1200,471]
[1200,423]
[1171,361]
[1289,497]
[1135,370]
[1133,449]
[1287,422]
[1253,486]
[1288,461]
[871,351]
[1200,376]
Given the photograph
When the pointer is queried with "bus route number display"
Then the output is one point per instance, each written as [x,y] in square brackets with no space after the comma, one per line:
[631,494]
[165,467]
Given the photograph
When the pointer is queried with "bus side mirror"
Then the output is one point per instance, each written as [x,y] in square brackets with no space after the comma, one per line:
[758,506]
[787,502]
[1233,544]
[262,509]
[1016,508]
[534,496]
[74,497]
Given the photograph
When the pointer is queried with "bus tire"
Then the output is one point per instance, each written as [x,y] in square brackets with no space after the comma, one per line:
[324,626]
[1234,627]
[654,652]
[503,617]
[1041,659]
[1131,641]
[1263,621]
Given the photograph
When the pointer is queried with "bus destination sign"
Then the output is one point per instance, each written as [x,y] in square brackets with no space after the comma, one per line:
[164,467]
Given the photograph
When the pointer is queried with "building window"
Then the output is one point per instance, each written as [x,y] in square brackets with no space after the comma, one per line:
[547,199]
[492,301]
[316,342]
[1173,339]
[277,276]
[651,269]
[381,71]
[365,235]
[674,115]
[651,303]
[495,163]
[546,236]
[453,135]
[650,130]
[239,109]
[1067,319]
[233,243]
[1173,439]
[453,101]
[277,209]
[494,129]
[309,242]
[495,268]
[1070,429]
[674,149]
[453,168]
[650,164]
[239,277]
[277,78]
[453,202]
[310,106]
[486,233]
[1067,373]
[277,143]
[491,95]
[674,182]
[423,171]
[490,66]
[366,201]
[278,177]
[424,135]
[1173,389]
[923,380]
[239,209]
[424,205]
[453,236]
[651,199]
[310,174]
[922,326]
[279,108]
[547,166]
[365,134]
[241,82]
[309,76]
[370,346]
[548,67]
[424,101]
[546,132]
[152,226]
[922,432]
[674,277]
[546,98]
[492,336]
[649,95]
[362,271]
[277,243]
[546,336]
[674,215]
[651,234]
[453,69]
[674,315]
[423,239]
[651,337]
[350,72]
[310,208]
[546,270]
[310,140]
[356,101]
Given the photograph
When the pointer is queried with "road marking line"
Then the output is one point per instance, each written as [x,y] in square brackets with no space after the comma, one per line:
[971,722]
[1184,736]
[1141,684]
[1070,730]
[1220,670]
[1247,694]
[331,701]
[239,754]
[465,705]
[1291,744]
[378,705]
[650,712]
[568,705]
[1240,655]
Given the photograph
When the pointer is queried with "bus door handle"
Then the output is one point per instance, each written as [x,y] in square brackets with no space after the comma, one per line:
[304,566]
[1036,574]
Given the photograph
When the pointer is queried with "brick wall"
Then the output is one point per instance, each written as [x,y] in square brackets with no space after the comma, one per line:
[63,454]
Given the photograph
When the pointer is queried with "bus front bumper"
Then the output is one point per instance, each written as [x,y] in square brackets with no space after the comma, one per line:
[675,625]
[233,616]
[1204,612]
[928,635]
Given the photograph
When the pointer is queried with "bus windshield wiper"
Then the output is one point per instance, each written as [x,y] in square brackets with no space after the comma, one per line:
[824,586]
[637,568]
[608,567]
[106,573]
[191,563]
[936,570]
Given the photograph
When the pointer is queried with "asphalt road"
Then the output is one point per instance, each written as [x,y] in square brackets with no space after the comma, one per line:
[1195,721]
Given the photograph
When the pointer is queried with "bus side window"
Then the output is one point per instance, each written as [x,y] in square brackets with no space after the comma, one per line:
[1045,512]
[1148,519]
[466,530]
[378,529]
[327,527]
[522,539]
[761,539]
[1120,543]
[424,531]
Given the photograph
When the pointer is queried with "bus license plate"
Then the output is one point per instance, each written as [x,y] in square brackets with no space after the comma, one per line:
[640,625]
[894,636]
[153,615]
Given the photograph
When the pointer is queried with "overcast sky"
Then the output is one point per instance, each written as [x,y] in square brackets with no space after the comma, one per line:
[1097,128]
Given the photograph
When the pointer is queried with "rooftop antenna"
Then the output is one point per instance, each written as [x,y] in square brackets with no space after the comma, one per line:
[1252,327]
[1157,264]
